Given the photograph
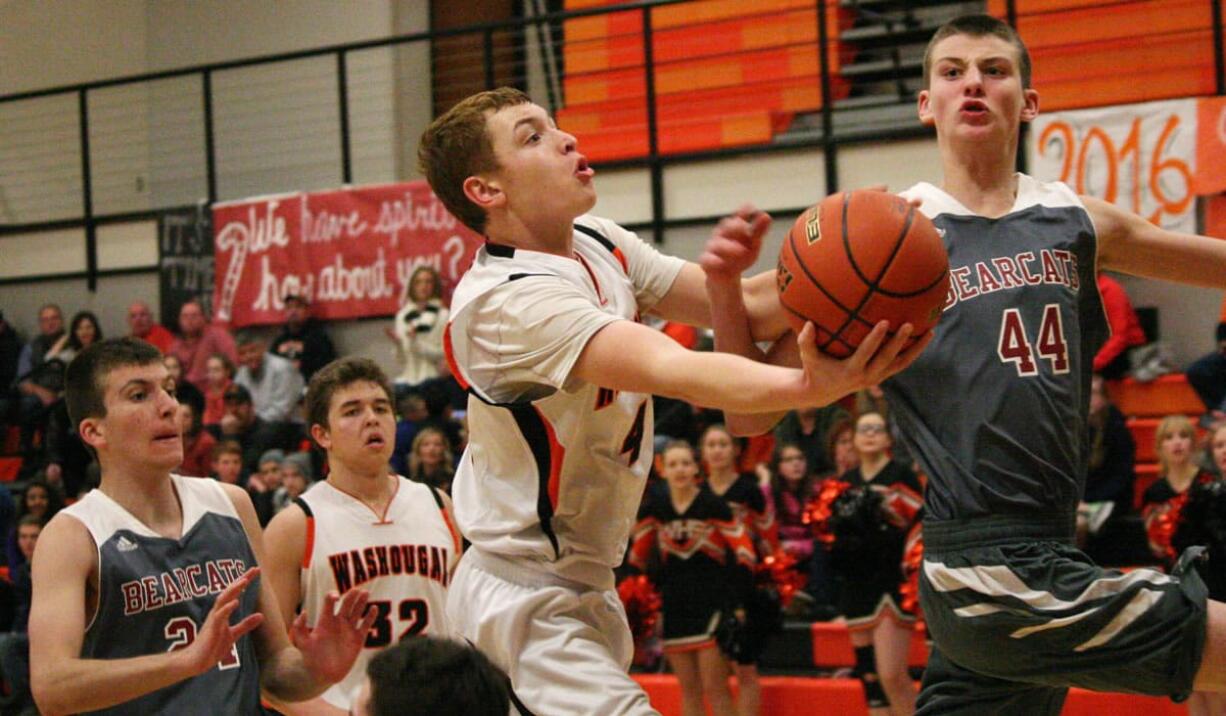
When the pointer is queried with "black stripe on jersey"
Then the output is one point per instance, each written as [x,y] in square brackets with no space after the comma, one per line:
[519,705]
[502,251]
[438,498]
[305,507]
[532,428]
[518,276]
[596,235]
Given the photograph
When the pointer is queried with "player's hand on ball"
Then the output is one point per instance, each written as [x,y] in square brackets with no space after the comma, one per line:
[878,357]
[328,650]
[735,243]
[215,640]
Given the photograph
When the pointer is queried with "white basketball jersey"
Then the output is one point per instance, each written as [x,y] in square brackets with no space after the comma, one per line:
[555,467]
[403,558]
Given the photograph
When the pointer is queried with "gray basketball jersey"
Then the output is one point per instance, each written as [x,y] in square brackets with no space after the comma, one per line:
[995,408]
[155,592]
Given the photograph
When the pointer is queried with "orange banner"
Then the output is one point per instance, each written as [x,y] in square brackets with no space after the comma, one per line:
[1210,175]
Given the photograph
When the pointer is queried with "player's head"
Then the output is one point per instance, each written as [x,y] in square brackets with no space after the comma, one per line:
[121,399]
[497,154]
[679,464]
[426,676]
[718,449]
[349,411]
[977,80]
[872,434]
[1173,441]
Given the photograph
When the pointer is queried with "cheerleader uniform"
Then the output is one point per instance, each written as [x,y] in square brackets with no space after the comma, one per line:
[700,550]
[867,593]
[762,610]
[1161,507]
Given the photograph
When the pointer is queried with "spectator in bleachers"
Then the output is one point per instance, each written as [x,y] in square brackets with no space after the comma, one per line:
[10,352]
[1207,376]
[185,391]
[43,501]
[1112,358]
[15,644]
[220,373]
[1216,447]
[254,434]
[227,462]
[411,415]
[198,339]
[841,447]
[141,325]
[809,429]
[40,375]
[198,443]
[304,342]
[431,461]
[1111,474]
[296,472]
[274,383]
[417,329]
[792,485]
[70,465]
[263,484]
[84,332]
[872,400]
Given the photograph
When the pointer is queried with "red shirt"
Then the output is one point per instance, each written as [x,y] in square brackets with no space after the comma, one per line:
[159,337]
[1126,329]
[197,454]
[194,354]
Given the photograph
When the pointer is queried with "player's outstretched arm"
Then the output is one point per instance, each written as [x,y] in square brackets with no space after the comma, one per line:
[316,658]
[625,355]
[1130,244]
[64,569]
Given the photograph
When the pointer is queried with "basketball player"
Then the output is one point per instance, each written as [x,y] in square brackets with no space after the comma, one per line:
[544,335]
[136,584]
[362,527]
[996,410]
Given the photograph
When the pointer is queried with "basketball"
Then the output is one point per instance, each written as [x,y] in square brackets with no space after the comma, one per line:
[858,258]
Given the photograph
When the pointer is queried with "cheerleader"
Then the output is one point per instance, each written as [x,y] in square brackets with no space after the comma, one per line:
[762,612]
[1162,508]
[701,549]
[870,599]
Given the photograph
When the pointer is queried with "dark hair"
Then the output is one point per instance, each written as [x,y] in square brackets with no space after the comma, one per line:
[336,375]
[839,427]
[85,385]
[73,342]
[457,146]
[247,336]
[427,676]
[979,26]
[778,486]
[225,361]
[28,520]
[55,500]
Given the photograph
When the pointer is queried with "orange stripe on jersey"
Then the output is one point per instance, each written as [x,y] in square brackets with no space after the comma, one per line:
[309,546]
[557,454]
[621,258]
[450,355]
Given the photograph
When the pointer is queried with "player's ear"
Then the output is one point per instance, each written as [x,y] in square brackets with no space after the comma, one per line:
[923,107]
[1030,108]
[92,432]
[320,434]
[484,191]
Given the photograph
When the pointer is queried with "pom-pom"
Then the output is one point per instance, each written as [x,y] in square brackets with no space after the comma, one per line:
[778,572]
[912,562]
[642,603]
[819,510]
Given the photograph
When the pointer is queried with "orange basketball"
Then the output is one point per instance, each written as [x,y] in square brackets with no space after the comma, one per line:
[858,258]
